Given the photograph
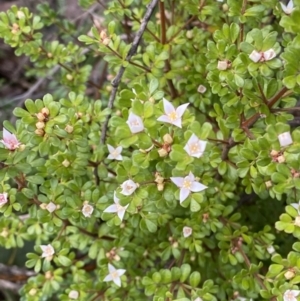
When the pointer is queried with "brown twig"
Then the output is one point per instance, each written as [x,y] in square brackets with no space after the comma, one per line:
[116,81]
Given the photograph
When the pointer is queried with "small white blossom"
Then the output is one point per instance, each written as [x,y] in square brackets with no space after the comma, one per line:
[115,153]
[135,123]
[187,231]
[201,89]
[87,209]
[291,295]
[223,65]
[9,140]
[120,210]
[187,185]
[172,115]
[114,275]
[51,207]
[128,187]
[195,147]
[296,206]
[271,249]
[48,251]
[3,199]
[285,139]
[73,295]
[269,54]
[288,8]
[198,298]
[255,56]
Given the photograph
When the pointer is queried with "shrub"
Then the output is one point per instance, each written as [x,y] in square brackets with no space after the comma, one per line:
[177,180]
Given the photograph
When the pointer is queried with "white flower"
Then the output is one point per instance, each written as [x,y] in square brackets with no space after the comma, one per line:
[3,199]
[171,115]
[87,209]
[287,8]
[187,231]
[115,153]
[48,251]
[243,299]
[9,140]
[222,65]
[51,207]
[195,147]
[135,123]
[201,89]
[187,185]
[255,56]
[269,54]
[128,187]
[73,295]
[114,275]
[285,139]
[120,210]
[290,295]
[198,298]
[271,249]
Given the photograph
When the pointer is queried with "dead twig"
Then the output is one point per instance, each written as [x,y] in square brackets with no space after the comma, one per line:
[116,81]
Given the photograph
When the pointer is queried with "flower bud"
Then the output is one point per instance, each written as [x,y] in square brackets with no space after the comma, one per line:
[222,65]
[151,99]
[106,41]
[274,153]
[73,295]
[167,138]
[255,56]
[66,163]
[22,147]
[289,274]
[39,132]
[69,77]
[32,292]
[162,152]
[69,129]
[297,221]
[201,89]
[160,186]
[40,125]
[45,111]
[281,159]
[49,55]
[40,116]
[78,115]
[103,35]
[269,54]
[158,178]
[189,34]
[20,14]
[268,184]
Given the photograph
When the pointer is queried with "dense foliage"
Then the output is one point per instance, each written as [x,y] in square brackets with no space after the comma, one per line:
[191,191]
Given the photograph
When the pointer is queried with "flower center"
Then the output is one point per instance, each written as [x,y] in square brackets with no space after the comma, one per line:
[2,199]
[187,184]
[173,116]
[115,153]
[289,296]
[87,209]
[135,122]
[48,251]
[128,187]
[119,207]
[194,147]
[114,274]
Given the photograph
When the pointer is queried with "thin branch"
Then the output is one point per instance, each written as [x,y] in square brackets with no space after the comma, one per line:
[116,81]
[163,38]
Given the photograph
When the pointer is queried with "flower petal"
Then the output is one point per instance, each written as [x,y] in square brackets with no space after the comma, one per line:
[108,278]
[290,5]
[121,272]
[196,187]
[164,118]
[168,107]
[184,193]
[111,208]
[181,109]
[110,148]
[177,181]
[177,122]
[117,281]
[121,212]
[111,268]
